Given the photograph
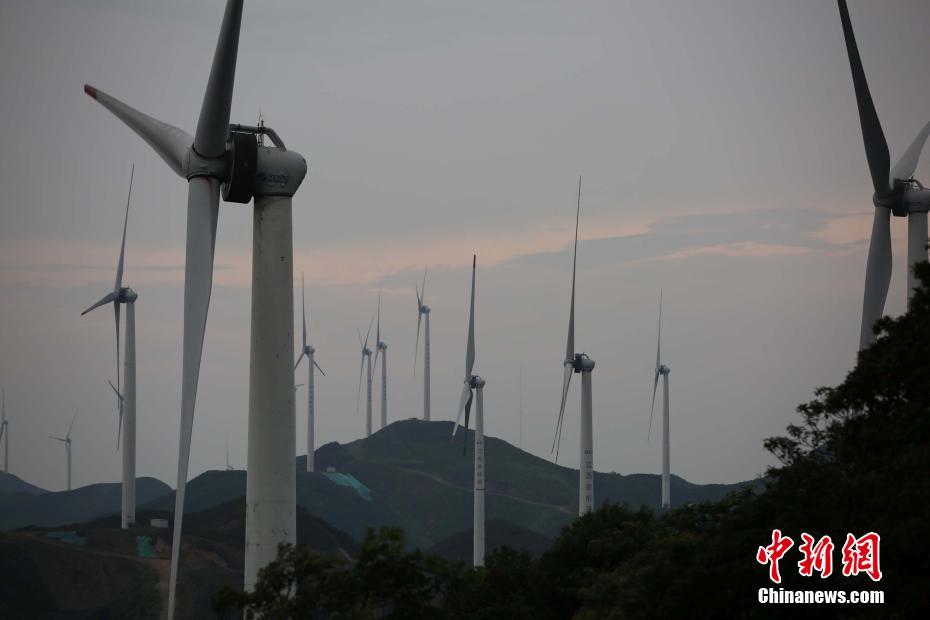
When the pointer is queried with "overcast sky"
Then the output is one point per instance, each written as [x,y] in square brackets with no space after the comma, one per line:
[722,162]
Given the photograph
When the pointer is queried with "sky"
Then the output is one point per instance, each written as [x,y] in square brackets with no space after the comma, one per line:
[722,163]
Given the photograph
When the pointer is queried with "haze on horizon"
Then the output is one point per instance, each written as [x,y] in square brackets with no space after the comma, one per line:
[722,162]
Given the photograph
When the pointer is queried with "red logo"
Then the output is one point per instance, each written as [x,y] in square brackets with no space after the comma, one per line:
[817,557]
[773,553]
[860,555]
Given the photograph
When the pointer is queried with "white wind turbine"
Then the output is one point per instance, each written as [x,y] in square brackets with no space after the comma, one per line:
[228,160]
[578,363]
[308,351]
[67,441]
[366,356]
[4,433]
[474,388]
[663,371]
[381,350]
[423,311]
[896,192]
[126,399]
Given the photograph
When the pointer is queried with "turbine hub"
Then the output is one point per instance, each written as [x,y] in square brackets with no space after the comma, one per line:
[309,350]
[126,295]
[382,346]
[896,199]
[582,363]
[664,370]
[424,309]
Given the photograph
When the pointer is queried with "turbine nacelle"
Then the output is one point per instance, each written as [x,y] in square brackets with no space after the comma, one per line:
[382,346]
[906,196]
[126,296]
[475,382]
[424,309]
[663,370]
[581,363]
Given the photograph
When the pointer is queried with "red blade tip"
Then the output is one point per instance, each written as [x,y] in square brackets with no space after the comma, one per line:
[90,90]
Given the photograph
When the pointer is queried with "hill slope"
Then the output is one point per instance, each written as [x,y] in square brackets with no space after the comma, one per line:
[50,509]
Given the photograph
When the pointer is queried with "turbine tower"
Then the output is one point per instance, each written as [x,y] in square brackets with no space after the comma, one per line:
[578,363]
[474,388]
[67,441]
[897,192]
[4,433]
[663,371]
[308,351]
[381,350]
[228,160]
[126,399]
[366,356]
[423,311]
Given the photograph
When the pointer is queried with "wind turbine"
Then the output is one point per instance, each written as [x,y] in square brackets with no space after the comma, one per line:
[126,400]
[662,371]
[308,351]
[474,388]
[226,159]
[381,349]
[578,363]
[896,192]
[4,433]
[366,355]
[423,311]
[67,441]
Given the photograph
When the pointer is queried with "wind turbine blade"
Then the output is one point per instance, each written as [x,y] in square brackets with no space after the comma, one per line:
[303,296]
[655,386]
[119,399]
[876,148]
[471,395]
[566,381]
[423,286]
[318,368]
[122,249]
[171,144]
[416,347]
[73,418]
[116,310]
[659,339]
[463,399]
[361,370]
[378,333]
[470,349]
[57,438]
[213,125]
[906,166]
[368,333]
[877,275]
[106,299]
[202,210]
[299,359]
[570,340]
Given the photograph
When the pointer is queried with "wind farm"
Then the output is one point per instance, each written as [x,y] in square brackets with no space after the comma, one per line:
[722,159]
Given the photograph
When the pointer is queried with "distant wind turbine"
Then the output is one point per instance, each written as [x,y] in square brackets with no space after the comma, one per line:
[4,433]
[423,311]
[126,399]
[308,351]
[381,351]
[896,192]
[67,441]
[228,467]
[474,388]
[663,371]
[578,363]
[366,356]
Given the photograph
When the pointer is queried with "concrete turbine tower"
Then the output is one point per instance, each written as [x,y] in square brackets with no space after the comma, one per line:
[308,351]
[578,363]
[663,371]
[423,311]
[897,192]
[228,160]
[381,351]
[474,388]
[366,357]
[67,441]
[125,399]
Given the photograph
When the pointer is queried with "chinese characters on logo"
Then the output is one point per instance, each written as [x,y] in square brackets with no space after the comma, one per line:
[859,555]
